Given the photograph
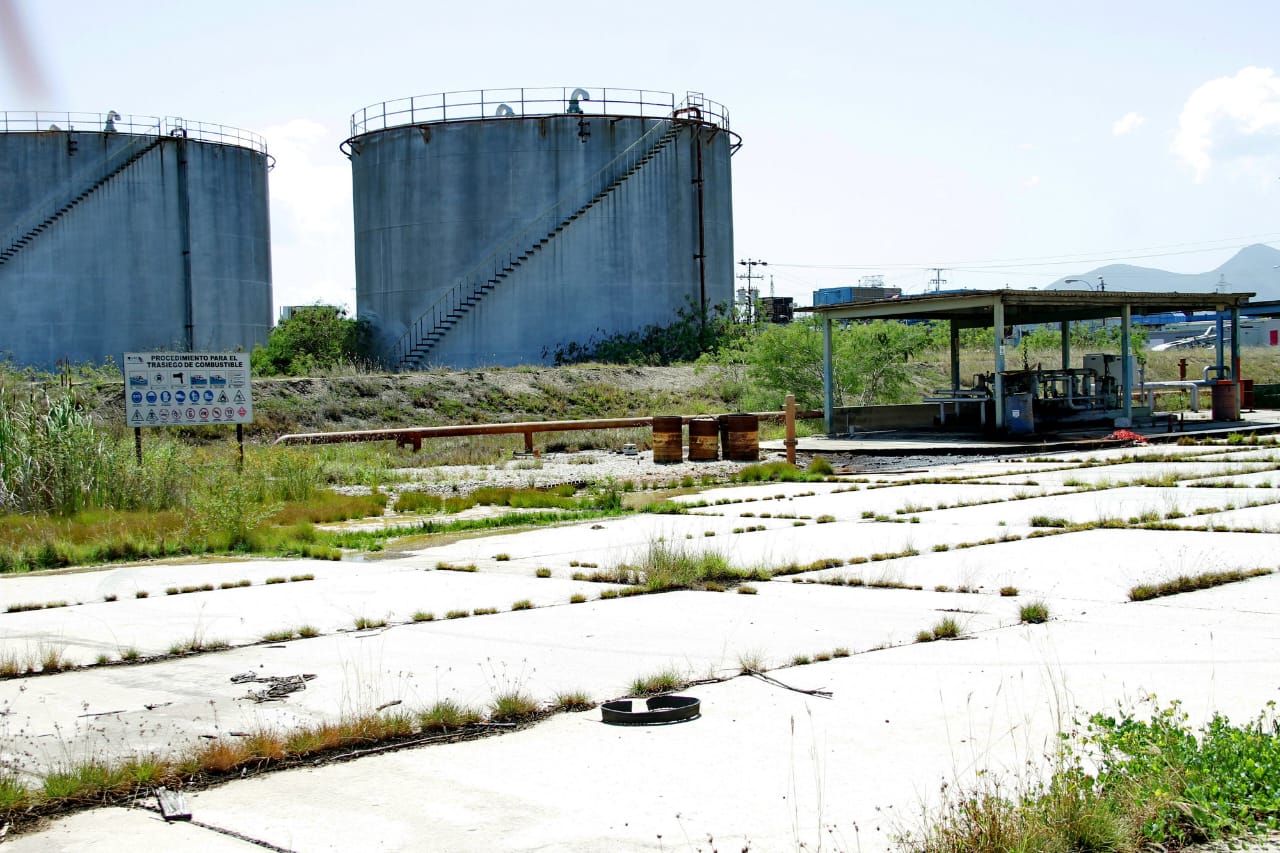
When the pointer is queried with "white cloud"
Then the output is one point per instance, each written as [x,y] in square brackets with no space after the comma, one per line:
[312,246]
[1230,119]
[1128,124]
[1026,146]
[1031,182]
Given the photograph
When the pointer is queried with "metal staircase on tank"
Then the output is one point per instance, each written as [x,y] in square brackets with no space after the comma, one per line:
[44,213]
[436,322]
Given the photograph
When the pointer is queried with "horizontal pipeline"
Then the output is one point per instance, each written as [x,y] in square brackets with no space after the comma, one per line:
[415,435]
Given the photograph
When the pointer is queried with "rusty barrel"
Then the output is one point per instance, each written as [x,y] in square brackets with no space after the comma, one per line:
[1225,405]
[704,440]
[742,443]
[667,433]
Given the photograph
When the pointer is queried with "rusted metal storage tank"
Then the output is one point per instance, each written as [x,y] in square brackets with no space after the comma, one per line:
[667,433]
[121,233]
[741,437]
[493,227]
[704,440]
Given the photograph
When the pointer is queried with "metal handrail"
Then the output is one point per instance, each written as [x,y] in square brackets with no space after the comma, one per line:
[545,223]
[42,121]
[485,104]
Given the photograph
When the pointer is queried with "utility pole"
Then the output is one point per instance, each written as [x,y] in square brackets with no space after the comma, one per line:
[750,292]
[937,281]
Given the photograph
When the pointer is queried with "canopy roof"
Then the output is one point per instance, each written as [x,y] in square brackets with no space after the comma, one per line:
[974,308]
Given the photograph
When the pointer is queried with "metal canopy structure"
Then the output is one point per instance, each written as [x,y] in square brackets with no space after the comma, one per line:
[997,309]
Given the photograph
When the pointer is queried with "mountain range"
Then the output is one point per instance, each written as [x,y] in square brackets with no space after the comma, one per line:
[1254,269]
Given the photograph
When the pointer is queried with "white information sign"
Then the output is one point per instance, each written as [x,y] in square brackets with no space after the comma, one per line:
[185,388]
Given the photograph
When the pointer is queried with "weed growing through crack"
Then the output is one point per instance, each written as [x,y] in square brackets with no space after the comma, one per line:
[663,681]
[542,573]
[423,616]
[1034,613]
[364,623]
[447,715]
[572,700]
[308,631]
[1190,583]
[577,598]
[522,604]
[457,614]
[1008,591]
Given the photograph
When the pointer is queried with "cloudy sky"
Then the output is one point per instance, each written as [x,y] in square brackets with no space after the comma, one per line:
[1008,142]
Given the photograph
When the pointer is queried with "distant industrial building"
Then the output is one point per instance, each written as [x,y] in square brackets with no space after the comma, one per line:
[494,226]
[862,293]
[777,309]
[127,233]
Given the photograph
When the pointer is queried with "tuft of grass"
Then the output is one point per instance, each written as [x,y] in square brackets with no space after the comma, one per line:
[484,611]
[512,706]
[52,659]
[450,567]
[279,636]
[542,573]
[800,660]
[573,700]
[423,616]
[308,631]
[1190,583]
[663,681]
[577,598]
[1008,591]
[502,558]
[274,580]
[522,604]
[840,652]
[457,614]
[446,715]
[306,577]
[365,622]
[142,593]
[946,629]
[820,466]
[746,589]
[1034,613]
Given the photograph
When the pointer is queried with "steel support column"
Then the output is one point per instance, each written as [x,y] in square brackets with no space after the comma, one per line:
[828,383]
[997,317]
[955,356]
[1126,366]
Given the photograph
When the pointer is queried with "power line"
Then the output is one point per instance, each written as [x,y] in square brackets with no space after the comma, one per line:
[1057,260]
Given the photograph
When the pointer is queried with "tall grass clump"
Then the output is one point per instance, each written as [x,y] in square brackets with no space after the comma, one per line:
[665,566]
[53,458]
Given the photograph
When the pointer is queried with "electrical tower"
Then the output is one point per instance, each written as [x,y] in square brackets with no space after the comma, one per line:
[937,281]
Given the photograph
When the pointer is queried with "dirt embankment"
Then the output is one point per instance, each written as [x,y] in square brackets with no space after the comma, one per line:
[374,401]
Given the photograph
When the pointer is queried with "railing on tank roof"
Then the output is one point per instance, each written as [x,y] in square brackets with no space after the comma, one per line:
[488,103]
[113,122]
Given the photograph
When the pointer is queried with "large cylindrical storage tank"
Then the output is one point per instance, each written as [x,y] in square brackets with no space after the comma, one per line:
[493,227]
[130,234]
